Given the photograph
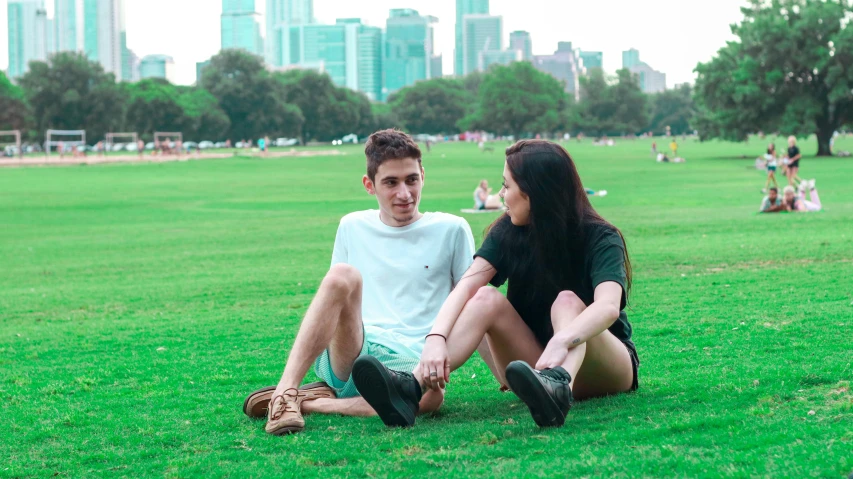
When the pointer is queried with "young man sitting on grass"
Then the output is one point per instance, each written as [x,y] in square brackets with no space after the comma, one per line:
[391,271]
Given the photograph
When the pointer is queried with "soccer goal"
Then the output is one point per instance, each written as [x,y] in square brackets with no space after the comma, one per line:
[109,141]
[55,137]
[17,135]
[178,137]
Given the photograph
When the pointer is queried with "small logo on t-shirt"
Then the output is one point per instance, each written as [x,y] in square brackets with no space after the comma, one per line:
[426,267]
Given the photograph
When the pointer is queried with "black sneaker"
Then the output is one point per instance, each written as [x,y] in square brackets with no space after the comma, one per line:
[546,393]
[394,395]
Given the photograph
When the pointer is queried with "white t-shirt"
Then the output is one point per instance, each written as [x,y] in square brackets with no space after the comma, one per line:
[770,159]
[407,272]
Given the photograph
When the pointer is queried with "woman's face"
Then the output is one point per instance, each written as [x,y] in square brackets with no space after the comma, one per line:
[517,203]
[789,197]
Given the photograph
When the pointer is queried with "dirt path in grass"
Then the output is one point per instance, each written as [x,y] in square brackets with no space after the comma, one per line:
[54,160]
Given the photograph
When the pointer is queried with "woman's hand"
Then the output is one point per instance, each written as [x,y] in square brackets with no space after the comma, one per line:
[434,367]
[554,355]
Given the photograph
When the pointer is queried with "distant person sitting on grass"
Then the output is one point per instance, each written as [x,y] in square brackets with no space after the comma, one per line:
[798,201]
[560,333]
[772,203]
[391,271]
[484,200]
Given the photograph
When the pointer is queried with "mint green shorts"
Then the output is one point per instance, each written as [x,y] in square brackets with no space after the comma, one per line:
[346,388]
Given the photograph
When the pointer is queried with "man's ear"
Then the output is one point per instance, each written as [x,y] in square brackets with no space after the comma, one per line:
[368,185]
[423,175]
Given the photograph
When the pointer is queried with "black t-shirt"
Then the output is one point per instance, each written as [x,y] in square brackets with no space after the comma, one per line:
[792,152]
[604,260]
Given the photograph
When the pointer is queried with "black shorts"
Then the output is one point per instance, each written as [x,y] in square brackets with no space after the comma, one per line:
[795,164]
[635,362]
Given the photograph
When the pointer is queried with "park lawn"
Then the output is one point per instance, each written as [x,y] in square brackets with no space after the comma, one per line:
[140,303]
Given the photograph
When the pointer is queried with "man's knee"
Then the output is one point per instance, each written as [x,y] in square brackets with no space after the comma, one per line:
[567,302]
[342,278]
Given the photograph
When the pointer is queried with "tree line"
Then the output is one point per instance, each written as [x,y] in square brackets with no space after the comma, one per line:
[788,71]
[238,98]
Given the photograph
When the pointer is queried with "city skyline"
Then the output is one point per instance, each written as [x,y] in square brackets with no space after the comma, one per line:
[675,50]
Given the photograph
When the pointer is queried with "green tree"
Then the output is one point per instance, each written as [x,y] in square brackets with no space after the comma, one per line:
[153,106]
[330,112]
[203,118]
[789,70]
[517,99]
[432,106]
[384,117]
[673,108]
[612,107]
[251,98]
[14,111]
[72,93]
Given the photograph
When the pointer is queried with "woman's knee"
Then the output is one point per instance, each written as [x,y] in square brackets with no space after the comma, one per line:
[342,278]
[487,299]
[567,302]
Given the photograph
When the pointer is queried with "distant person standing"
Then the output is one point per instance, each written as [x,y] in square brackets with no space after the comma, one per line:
[100,148]
[674,148]
[654,149]
[794,161]
[140,148]
[262,145]
[61,148]
[770,164]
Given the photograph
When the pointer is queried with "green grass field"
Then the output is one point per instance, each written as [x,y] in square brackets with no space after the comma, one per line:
[140,303]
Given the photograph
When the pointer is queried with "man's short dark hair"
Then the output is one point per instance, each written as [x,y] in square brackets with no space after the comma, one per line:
[387,145]
[773,188]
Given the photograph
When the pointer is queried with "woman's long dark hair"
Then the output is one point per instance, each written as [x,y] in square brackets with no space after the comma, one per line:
[560,213]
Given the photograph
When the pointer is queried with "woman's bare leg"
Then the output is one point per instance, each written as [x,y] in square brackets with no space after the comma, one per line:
[490,314]
[600,366]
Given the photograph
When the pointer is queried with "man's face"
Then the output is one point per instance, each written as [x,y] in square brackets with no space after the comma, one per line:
[397,187]
[772,195]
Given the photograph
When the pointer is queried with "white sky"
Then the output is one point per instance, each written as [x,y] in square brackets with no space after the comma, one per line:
[672,35]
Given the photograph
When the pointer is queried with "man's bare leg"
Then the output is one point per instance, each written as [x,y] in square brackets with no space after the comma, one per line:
[357,406]
[333,321]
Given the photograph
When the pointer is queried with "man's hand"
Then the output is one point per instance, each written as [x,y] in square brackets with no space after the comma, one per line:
[434,367]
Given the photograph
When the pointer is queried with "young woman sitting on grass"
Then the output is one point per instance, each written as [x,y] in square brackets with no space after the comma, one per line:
[561,332]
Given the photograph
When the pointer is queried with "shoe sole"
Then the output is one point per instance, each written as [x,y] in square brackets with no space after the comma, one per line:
[286,430]
[376,387]
[525,384]
[257,403]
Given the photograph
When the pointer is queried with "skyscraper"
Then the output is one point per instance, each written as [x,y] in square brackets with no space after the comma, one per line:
[630,58]
[497,57]
[28,39]
[591,59]
[651,80]
[480,33]
[562,65]
[408,49]
[68,25]
[520,40]
[103,26]
[281,14]
[157,66]
[465,7]
[239,26]
[349,52]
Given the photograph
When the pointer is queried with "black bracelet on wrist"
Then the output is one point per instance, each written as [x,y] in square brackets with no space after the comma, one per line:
[436,334]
